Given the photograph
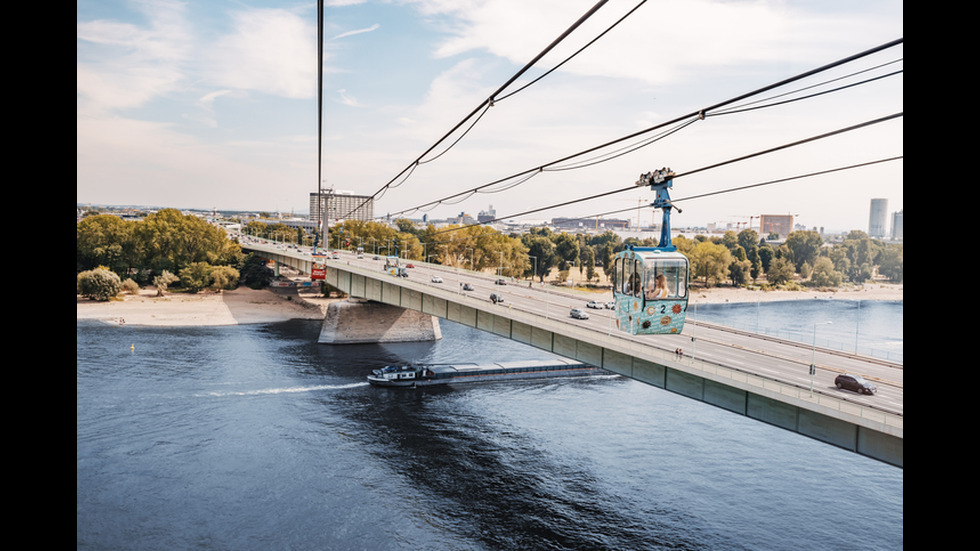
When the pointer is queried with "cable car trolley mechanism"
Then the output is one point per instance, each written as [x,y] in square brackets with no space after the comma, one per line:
[650,284]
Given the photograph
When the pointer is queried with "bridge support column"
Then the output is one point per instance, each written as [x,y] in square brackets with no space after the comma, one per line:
[356,321]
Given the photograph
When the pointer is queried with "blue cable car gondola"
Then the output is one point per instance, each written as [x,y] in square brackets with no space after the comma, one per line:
[650,284]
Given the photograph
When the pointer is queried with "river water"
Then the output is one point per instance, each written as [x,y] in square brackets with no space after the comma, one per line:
[258,438]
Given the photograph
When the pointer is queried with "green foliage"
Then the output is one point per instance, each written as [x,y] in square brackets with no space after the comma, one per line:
[130,286]
[824,274]
[710,262]
[803,247]
[196,276]
[224,277]
[254,272]
[166,240]
[105,240]
[780,271]
[99,284]
[163,281]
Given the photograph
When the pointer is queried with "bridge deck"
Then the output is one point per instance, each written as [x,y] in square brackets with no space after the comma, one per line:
[759,377]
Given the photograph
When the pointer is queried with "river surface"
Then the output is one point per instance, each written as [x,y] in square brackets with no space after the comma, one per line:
[258,438]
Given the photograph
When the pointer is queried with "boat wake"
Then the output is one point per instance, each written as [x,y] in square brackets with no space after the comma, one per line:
[285,390]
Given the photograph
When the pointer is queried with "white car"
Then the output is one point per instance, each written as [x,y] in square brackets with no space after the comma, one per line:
[436,279]
[593,304]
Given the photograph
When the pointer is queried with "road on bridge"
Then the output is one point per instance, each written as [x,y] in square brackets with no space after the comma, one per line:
[777,359]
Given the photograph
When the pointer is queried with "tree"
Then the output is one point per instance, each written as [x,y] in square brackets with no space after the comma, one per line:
[542,249]
[824,274]
[224,277]
[566,249]
[172,241]
[738,271]
[196,276]
[748,239]
[710,262]
[254,272]
[803,246]
[99,284]
[108,241]
[892,263]
[780,271]
[162,281]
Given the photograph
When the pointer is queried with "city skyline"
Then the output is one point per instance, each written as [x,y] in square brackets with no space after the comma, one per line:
[214,106]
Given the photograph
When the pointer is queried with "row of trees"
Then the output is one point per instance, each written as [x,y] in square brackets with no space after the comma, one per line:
[736,258]
[744,258]
[166,248]
[198,255]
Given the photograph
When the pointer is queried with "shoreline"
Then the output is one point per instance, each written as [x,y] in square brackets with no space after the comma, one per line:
[248,306]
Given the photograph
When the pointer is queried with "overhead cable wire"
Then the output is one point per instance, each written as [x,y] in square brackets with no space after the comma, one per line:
[752,106]
[489,101]
[580,50]
[688,173]
[594,216]
[685,119]
[751,186]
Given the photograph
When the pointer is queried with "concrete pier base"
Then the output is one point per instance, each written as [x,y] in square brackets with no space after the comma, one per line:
[355,321]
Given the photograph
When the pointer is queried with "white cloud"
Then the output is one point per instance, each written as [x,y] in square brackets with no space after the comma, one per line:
[122,65]
[356,32]
[271,51]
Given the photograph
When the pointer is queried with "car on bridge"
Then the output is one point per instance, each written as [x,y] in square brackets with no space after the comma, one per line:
[500,282]
[467,287]
[436,279]
[856,383]
[579,314]
[593,304]
[495,298]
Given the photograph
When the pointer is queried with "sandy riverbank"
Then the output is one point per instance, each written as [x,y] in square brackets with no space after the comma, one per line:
[244,305]
[870,291]
[241,306]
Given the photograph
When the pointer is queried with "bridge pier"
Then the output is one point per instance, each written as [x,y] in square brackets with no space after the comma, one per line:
[364,321]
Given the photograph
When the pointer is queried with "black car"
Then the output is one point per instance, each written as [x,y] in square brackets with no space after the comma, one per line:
[846,381]
[467,287]
[500,282]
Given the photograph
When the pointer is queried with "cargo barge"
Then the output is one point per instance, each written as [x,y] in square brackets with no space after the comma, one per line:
[443,374]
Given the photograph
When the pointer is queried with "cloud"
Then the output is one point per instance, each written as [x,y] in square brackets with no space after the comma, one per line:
[359,31]
[271,51]
[122,66]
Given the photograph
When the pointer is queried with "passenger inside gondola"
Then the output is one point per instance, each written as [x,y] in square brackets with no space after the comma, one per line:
[657,287]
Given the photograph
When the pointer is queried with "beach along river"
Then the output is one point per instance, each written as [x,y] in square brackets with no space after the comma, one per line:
[256,437]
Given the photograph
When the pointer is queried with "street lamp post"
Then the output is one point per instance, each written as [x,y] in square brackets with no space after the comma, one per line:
[813,354]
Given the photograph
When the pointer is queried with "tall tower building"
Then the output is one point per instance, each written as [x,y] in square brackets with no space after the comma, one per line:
[898,225]
[878,218]
[341,205]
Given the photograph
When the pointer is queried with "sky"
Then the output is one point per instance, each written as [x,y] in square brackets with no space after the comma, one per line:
[213,104]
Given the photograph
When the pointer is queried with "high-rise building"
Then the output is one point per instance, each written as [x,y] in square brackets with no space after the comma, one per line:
[878,218]
[898,225]
[341,205]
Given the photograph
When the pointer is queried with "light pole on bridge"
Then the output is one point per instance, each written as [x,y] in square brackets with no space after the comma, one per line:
[813,354]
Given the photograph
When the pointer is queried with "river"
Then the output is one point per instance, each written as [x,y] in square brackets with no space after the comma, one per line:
[256,437]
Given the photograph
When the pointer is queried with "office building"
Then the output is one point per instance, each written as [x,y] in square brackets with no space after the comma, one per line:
[878,218]
[779,224]
[341,205]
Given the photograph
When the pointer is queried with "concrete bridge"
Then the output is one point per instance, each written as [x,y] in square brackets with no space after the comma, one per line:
[759,377]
